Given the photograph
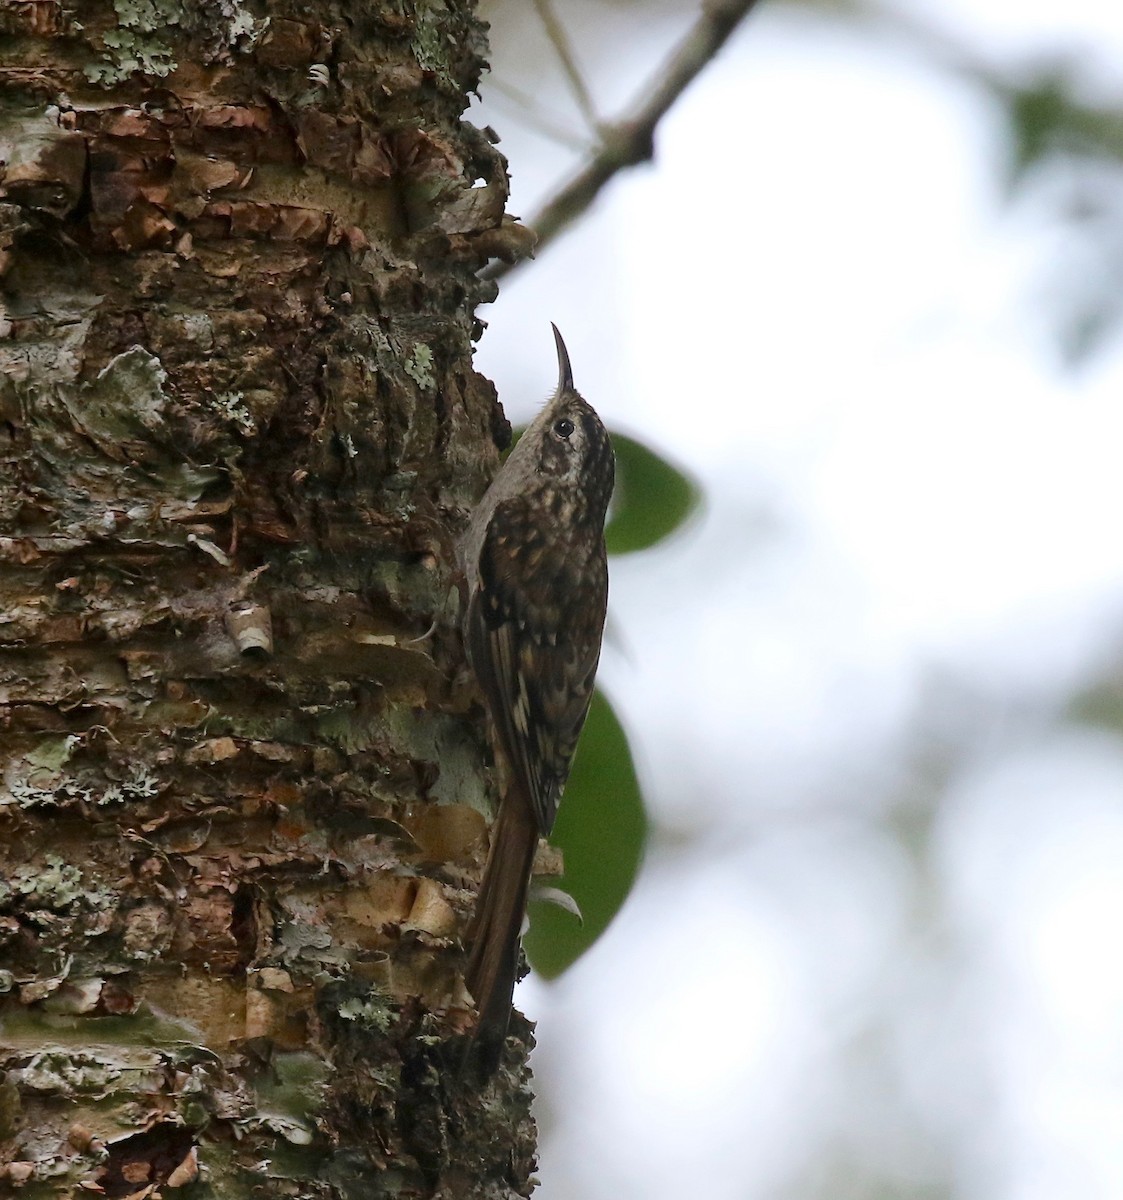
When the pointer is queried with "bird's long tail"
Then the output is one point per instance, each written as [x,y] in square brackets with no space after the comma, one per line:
[494,959]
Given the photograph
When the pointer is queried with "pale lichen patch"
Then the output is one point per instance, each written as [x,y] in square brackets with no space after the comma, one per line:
[419,366]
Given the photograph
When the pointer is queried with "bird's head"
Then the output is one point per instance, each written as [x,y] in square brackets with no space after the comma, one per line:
[566,445]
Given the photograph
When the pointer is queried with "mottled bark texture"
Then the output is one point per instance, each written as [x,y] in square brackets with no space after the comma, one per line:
[241,804]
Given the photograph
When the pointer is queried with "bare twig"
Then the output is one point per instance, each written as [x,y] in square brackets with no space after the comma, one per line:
[556,33]
[631,140]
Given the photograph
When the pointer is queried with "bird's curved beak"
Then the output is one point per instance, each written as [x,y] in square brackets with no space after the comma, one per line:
[565,371]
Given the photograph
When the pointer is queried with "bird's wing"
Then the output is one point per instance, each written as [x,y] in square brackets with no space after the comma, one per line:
[534,631]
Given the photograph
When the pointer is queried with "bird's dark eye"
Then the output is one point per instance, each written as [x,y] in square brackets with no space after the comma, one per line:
[564,427]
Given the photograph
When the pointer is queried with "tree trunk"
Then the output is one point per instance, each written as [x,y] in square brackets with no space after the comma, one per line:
[242,795]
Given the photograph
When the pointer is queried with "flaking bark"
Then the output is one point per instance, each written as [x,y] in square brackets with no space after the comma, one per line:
[242,807]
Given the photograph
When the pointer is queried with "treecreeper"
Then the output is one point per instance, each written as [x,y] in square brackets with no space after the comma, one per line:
[536,571]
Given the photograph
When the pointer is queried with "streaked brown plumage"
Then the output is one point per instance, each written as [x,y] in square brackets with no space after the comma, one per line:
[537,575]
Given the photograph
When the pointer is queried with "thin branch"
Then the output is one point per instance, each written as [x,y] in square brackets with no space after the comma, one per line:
[632,140]
[555,30]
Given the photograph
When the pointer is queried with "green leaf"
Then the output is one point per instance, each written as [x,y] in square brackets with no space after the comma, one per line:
[1048,118]
[601,831]
[1100,706]
[652,498]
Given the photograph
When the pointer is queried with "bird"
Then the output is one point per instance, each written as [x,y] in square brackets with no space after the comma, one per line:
[536,576]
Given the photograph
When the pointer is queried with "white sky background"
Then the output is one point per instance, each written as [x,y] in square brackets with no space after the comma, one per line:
[875,949]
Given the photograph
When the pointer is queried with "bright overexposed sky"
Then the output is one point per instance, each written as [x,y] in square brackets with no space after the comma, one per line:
[874,944]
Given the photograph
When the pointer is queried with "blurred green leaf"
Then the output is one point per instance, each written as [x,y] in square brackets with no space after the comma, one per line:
[652,498]
[601,830]
[1048,118]
[1100,705]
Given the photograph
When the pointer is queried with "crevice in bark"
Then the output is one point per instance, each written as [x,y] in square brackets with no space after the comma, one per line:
[146,1159]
